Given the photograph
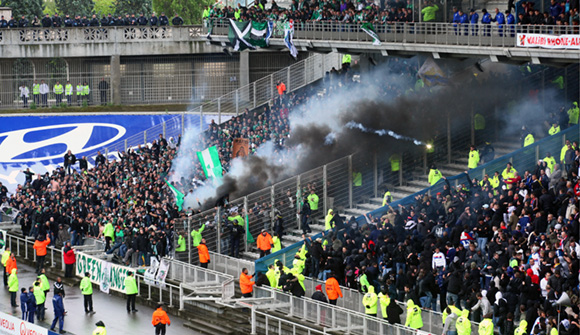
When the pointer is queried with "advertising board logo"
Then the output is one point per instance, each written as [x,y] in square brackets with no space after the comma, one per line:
[52,142]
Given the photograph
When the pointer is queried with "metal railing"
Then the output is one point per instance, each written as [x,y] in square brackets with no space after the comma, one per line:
[275,325]
[415,33]
[335,318]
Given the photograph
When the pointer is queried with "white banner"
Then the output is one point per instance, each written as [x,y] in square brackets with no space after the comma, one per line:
[106,277]
[99,269]
[151,273]
[157,272]
[10,325]
[548,41]
[162,272]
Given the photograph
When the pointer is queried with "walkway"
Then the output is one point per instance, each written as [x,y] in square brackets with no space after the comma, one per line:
[110,309]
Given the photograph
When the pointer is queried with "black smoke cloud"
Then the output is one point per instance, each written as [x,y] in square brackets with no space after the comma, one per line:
[418,115]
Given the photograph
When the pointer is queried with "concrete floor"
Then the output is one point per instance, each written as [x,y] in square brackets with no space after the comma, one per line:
[109,309]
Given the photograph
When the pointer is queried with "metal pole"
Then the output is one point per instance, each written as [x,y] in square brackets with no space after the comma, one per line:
[219,231]
[254,84]
[325,187]
[288,80]
[144,137]
[298,204]
[425,161]
[237,103]
[164,129]
[401,172]
[448,139]
[472,123]
[375,175]
[219,110]
[189,246]
[182,122]
[201,118]
[247,223]
[254,321]
[350,181]
[273,201]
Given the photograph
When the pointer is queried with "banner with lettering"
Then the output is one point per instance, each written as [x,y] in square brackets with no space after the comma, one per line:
[102,272]
[548,41]
[11,325]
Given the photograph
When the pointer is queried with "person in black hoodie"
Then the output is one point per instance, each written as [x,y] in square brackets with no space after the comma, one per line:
[319,295]
[394,312]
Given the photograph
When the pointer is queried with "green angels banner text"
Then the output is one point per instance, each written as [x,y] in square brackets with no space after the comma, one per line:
[116,273]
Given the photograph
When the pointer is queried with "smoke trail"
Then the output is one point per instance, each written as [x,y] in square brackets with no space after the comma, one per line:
[383,132]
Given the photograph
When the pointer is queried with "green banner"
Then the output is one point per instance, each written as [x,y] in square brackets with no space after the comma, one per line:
[115,278]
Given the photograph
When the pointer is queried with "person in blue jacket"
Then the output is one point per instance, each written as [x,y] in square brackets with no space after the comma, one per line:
[58,312]
[500,19]
[510,20]
[473,19]
[456,19]
[24,303]
[31,304]
[486,21]
[464,20]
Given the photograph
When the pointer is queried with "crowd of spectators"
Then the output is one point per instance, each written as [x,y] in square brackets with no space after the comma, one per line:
[69,21]
[387,12]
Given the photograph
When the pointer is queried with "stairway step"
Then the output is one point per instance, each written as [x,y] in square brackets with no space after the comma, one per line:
[409,189]
[203,327]
[250,255]
[355,212]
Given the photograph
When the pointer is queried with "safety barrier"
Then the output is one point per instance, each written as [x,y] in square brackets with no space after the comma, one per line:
[335,318]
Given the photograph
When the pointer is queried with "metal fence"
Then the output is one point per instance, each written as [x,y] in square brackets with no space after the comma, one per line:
[415,33]
[335,318]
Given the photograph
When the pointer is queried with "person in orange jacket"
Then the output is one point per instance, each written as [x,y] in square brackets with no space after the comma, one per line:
[246,284]
[264,243]
[203,254]
[332,289]
[10,264]
[281,87]
[40,247]
[160,320]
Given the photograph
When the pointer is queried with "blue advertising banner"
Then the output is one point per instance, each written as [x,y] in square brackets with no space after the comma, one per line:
[40,142]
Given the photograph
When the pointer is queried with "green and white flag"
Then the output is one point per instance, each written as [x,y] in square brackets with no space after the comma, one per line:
[210,161]
[178,195]
[249,34]
[370,30]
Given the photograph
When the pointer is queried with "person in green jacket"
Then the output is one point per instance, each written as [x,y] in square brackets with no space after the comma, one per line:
[363,281]
[385,301]
[109,233]
[40,298]
[434,175]
[131,291]
[522,328]
[370,300]
[414,319]
[554,129]
[5,256]
[462,324]
[453,309]
[13,287]
[237,218]
[573,114]
[473,159]
[196,234]
[276,242]
[313,201]
[429,12]
[387,197]
[486,326]
[550,161]
[181,245]
[271,275]
[87,291]
[44,284]
[328,220]
[529,139]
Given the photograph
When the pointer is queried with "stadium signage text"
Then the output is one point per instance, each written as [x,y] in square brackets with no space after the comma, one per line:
[548,41]
[115,278]
[10,325]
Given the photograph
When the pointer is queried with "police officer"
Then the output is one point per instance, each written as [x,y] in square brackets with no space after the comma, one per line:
[434,175]
[142,20]
[79,93]
[85,22]
[486,21]
[387,198]
[36,92]
[473,19]
[56,21]
[86,93]
[12,23]
[414,319]
[153,21]
[58,90]
[177,21]
[68,22]
[46,21]
[87,291]
[23,23]
[163,20]
[94,21]
[4,23]
[473,158]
